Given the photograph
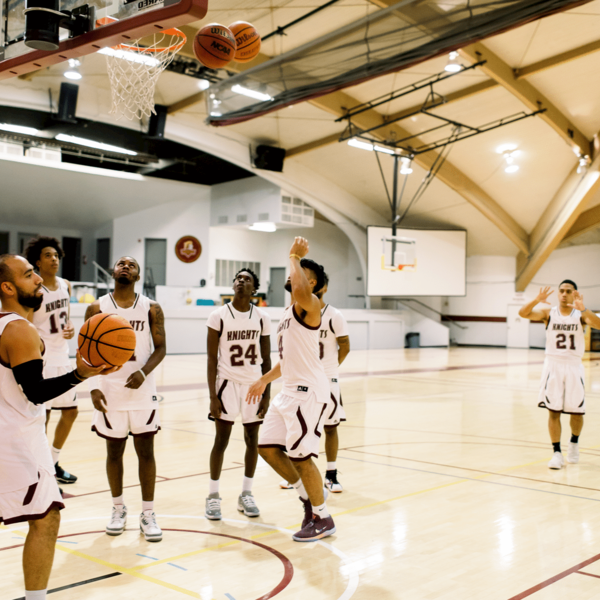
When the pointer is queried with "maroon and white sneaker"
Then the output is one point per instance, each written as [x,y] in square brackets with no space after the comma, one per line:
[315,530]
[308,511]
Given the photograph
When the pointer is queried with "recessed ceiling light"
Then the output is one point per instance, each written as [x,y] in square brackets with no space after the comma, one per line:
[511,169]
[358,144]
[506,148]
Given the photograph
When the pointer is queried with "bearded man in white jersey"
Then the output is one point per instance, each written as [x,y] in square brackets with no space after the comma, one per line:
[562,388]
[28,488]
[126,403]
[239,350]
[53,322]
[334,346]
[293,426]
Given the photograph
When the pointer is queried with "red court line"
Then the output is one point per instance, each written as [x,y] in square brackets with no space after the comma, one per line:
[588,574]
[548,582]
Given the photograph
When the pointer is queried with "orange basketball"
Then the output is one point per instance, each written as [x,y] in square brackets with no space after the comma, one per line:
[247,40]
[106,340]
[214,46]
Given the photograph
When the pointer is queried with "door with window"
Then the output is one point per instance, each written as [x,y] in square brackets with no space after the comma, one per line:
[155,265]
[71,263]
[276,293]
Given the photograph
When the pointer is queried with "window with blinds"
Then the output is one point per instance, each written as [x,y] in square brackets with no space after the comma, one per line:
[226,270]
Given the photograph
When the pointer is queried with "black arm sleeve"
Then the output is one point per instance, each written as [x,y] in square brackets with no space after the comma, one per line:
[38,390]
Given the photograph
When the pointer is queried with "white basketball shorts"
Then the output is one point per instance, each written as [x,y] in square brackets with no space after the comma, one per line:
[118,424]
[294,425]
[562,387]
[232,396]
[33,502]
[64,401]
[335,413]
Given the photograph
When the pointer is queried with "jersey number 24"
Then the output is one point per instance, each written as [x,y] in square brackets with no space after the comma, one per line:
[237,352]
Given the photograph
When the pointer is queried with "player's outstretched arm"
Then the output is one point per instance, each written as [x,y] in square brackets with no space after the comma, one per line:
[20,348]
[301,288]
[159,340]
[265,353]
[541,314]
[92,309]
[69,329]
[343,348]
[587,316]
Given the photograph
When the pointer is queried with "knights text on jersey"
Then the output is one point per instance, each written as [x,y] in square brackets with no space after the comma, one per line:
[333,326]
[23,444]
[113,386]
[298,348]
[564,335]
[50,320]
[240,359]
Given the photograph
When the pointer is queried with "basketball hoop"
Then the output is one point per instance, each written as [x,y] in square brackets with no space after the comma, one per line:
[398,253]
[133,70]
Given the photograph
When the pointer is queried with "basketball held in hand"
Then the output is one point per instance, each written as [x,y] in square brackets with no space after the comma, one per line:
[247,41]
[214,46]
[106,340]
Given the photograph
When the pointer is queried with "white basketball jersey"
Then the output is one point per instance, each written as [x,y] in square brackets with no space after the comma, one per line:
[240,359]
[24,447]
[50,320]
[298,347]
[564,335]
[117,395]
[333,326]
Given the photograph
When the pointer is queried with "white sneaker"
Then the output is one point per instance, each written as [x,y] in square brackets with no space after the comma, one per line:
[331,482]
[557,461]
[285,485]
[212,508]
[573,453]
[118,520]
[148,526]
[247,505]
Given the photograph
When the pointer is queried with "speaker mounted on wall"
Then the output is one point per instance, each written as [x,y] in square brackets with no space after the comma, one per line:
[269,158]
[67,102]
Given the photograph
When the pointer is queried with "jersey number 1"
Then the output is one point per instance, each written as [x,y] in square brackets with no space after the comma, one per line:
[561,341]
[54,328]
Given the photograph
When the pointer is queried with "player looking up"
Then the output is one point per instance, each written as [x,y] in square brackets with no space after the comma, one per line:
[294,422]
[126,402]
[52,320]
[562,388]
[28,488]
[239,350]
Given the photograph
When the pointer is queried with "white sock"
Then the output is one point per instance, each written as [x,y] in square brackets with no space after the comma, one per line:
[299,487]
[147,506]
[247,484]
[331,466]
[321,511]
[35,594]
[55,454]
[213,486]
[118,501]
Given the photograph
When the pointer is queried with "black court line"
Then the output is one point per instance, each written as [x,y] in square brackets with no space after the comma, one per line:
[72,585]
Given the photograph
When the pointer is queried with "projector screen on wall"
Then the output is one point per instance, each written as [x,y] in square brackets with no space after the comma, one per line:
[416,262]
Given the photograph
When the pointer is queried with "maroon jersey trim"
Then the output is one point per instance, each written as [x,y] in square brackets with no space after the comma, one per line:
[302,322]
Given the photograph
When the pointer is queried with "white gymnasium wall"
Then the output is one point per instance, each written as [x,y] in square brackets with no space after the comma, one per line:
[171,222]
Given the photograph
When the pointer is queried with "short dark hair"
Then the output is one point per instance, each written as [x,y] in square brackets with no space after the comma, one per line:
[34,248]
[254,276]
[570,282]
[6,273]
[319,294]
[318,270]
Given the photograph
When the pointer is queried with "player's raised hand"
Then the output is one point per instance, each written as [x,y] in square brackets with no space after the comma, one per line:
[68,331]
[577,302]
[545,292]
[256,391]
[299,247]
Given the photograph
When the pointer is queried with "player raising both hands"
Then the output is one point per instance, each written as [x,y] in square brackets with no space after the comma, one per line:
[562,387]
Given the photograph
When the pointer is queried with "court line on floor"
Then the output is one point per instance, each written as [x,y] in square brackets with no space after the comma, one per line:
[491,473]
[79,583]
[462,480]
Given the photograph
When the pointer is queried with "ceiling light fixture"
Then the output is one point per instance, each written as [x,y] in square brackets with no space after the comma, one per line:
[265,226]
[358,144]
[405,165]
[73,72]
[506,148]
[511,169]
[18,129]
[453,65]
[384,150]
[584,163]
[238,89]
[62,137]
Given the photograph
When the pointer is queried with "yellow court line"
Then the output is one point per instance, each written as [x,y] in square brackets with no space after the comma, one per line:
[124,570]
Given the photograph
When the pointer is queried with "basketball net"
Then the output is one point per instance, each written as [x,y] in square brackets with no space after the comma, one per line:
[133,71]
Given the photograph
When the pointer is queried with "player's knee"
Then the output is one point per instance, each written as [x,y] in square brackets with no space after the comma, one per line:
[115,449]
[267,453]
[330,430]
[70,415]
[47,526]
[144,448]
[251,436]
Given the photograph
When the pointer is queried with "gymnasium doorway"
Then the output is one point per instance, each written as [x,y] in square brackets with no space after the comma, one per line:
[276,293]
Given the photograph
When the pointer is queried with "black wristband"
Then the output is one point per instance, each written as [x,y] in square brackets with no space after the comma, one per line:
[38,390]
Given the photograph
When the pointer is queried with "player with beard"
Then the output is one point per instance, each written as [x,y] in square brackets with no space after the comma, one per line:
[239,350]
[126,402]
[28,488]
[293,426]
[53,323]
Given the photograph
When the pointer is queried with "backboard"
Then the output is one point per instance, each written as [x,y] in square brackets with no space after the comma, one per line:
[129,20]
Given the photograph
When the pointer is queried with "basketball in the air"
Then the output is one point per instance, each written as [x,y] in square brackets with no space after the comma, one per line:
[247,41]
[214,46]
[106,340]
